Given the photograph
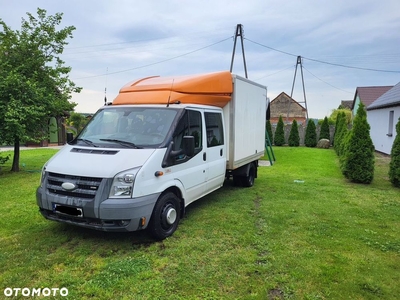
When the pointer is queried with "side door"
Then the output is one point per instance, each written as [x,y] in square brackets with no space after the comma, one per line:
[215,149]
[191,171]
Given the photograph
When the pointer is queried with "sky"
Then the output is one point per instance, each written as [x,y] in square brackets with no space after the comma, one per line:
[343,44]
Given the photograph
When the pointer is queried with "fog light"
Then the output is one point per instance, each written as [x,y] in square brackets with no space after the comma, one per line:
[123,223]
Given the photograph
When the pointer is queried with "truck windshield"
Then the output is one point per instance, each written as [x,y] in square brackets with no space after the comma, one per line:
[127,127]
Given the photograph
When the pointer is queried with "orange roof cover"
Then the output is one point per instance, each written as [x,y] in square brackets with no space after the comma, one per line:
[208,89]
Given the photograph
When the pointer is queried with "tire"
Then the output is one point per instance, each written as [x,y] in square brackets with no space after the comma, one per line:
[165,217]
[248,181]
[237,180]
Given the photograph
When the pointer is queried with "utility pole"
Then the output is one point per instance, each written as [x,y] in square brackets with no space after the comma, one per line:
[299,62]
[239,33]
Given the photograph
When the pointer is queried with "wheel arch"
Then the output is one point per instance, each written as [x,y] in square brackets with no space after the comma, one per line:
[178,192]
[244,170]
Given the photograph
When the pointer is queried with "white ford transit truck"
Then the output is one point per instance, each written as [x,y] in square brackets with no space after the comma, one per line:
[163,143]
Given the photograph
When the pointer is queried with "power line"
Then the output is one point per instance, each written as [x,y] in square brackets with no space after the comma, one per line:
[327,82]
[291,66]
[324,62]
[159,62]
[350,67]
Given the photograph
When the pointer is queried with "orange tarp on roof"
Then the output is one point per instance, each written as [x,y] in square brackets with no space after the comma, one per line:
[207,89]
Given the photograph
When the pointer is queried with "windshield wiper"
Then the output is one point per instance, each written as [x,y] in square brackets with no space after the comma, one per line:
[88,142]
[121,142]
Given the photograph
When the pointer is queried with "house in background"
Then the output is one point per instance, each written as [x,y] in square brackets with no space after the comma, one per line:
[285,106]
[383,115]
[367,95]
[346,104]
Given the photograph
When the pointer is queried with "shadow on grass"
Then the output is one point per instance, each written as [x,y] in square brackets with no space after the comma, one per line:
[54,234]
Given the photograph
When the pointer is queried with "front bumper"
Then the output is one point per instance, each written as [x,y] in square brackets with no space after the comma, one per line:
[108,215]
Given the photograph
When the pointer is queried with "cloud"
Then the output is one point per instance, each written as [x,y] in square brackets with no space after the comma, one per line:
[118,41]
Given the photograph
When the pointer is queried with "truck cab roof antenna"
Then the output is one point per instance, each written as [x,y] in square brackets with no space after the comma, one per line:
[170,91]
[105,90]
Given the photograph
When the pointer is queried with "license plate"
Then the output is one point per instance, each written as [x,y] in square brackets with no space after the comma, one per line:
[68,210]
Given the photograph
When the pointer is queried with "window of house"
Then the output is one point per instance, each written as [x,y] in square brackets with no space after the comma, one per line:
[391,120]
[215,132]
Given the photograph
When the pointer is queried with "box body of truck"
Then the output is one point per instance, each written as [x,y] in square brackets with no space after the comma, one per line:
[162,144]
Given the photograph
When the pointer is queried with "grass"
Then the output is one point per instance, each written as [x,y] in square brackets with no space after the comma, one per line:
[325,238]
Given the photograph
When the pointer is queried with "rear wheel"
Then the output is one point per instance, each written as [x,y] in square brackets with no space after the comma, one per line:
[248,181]
[165,217]
[237,180]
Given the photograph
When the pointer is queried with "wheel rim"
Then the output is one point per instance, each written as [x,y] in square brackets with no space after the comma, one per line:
[168,216]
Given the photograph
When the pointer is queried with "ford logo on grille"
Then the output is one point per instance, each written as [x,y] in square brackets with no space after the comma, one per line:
[68,186]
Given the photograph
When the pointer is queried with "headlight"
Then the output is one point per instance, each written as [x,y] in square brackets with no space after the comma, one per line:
[43,175]
[122,185]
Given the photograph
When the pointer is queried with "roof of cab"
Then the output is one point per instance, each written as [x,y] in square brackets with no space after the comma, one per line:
[207,89]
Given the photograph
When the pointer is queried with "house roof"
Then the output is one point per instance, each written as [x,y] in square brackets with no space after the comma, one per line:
[388,99]
[288,97]
[369,94]
[347,103]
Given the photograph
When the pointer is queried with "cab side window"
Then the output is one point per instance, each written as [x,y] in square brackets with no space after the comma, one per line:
[215,132]
[189,125]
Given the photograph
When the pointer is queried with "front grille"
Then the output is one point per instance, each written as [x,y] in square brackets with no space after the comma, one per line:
[86,187]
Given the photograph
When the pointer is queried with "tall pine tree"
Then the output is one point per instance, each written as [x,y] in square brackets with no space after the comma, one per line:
[324,133]
[268,129]
[340,132]
[394,167]
[310,139]
[279,138]
[294,137]
[359,158]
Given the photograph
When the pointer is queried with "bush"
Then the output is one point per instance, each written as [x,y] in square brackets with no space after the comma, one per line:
[268,129]
[340,133]
[394,167]
[324,133]
[3,160]
[359,159]
[310,139]
[294,137]
[279,138]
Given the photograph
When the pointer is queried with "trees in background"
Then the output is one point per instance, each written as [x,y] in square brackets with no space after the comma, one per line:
[324,132]
[34,83]
[394,167]
[310,139]
[294,137]
[268,128]
[359,151]
[279,138]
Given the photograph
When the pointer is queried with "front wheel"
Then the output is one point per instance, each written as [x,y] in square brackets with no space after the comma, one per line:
[165,217]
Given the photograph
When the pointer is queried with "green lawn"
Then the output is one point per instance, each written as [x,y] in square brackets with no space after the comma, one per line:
[325,238]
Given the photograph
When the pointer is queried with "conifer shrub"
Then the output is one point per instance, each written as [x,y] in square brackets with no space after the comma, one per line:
[294,137]
[324,132]
[268,129]
[310,139]
[340,132]
[279,138]
[358,156]
[394,167]
[336,129]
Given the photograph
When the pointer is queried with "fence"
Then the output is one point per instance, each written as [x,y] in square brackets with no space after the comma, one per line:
[302,132]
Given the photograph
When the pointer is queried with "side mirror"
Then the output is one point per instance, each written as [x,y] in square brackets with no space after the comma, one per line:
[70,137]
[188,145]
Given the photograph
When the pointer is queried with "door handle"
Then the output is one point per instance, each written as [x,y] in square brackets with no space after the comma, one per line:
[204,156]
